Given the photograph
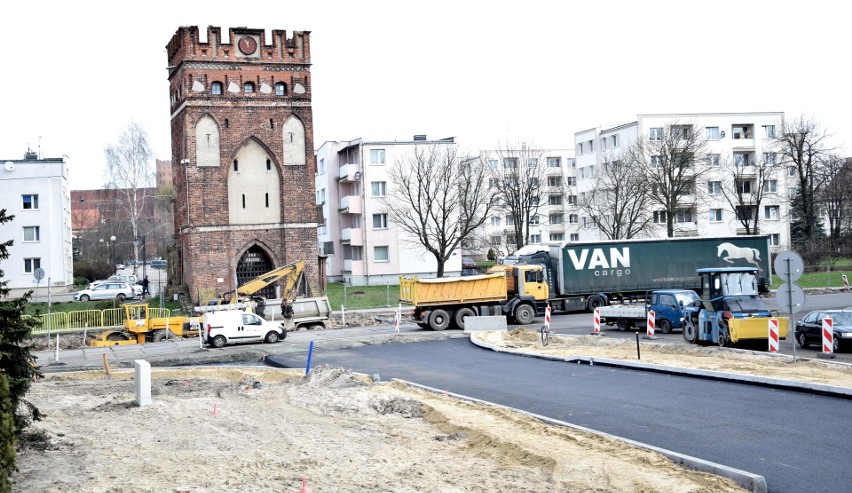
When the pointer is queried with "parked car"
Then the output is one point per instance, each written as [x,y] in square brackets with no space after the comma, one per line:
[106,290]
[129,279]
[158,264]
[468,263]
[236,326]
[809,328]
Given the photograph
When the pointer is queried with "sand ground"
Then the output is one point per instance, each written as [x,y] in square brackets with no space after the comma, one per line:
[228,429]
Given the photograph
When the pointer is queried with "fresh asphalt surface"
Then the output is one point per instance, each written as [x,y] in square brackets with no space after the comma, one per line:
[797,441]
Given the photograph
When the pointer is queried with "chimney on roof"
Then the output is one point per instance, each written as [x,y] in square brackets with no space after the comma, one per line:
[419,137]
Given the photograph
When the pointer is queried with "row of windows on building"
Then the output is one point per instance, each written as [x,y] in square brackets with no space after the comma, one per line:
[738,132]
[512,162]
[381,253]
[218,88]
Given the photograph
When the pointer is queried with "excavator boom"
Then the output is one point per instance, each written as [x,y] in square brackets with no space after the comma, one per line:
[291,274]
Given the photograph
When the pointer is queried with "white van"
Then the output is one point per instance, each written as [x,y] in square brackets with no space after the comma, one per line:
[236,326]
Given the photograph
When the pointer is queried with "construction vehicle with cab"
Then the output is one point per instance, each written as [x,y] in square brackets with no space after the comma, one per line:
[730,310]
[517,291]
[140,327]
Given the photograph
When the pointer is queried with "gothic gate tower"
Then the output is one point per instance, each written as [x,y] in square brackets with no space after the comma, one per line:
[242,157]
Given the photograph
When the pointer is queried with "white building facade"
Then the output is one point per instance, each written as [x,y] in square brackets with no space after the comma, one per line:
[36,192]
[557,217]
[362,246]
[744,142]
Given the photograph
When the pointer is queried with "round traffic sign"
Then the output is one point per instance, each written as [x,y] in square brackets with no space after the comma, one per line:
[790,293]
[789,266]
[39,274]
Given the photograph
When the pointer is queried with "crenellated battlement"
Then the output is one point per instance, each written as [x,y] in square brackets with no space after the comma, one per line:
[241,45]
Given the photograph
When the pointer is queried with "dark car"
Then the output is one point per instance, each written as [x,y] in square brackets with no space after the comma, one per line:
[468,263]
[809,328]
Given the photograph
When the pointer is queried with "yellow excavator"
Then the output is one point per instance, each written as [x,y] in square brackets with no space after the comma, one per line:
[290,275]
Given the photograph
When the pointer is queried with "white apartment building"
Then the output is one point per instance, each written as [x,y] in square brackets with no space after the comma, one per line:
[557,218]
[739,140]
[362,247]
[36,192]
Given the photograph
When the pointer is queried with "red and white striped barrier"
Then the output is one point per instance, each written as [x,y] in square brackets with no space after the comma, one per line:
[827,335]
[597,321]
[651,323]
[773,335]
[547,318]
[845,282]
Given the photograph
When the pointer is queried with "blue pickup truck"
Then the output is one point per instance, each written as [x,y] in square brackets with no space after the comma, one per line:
[668,306]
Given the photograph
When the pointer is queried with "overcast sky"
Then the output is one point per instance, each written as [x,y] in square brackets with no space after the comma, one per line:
[482,71]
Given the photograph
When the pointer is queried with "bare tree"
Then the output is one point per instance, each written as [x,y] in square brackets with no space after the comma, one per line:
[617,205]
[438,198]
[671,160]
[804,147]
[518,175]
[745,184]
[129,174]
[833,196]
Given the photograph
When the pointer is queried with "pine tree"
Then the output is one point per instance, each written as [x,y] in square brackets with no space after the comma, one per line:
[16,361]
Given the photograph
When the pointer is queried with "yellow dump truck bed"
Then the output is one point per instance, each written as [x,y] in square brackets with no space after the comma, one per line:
[468,289]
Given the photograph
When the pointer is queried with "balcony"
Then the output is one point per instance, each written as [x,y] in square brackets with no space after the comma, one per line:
[351,204]
[349,173]
[353,236]
[354,267]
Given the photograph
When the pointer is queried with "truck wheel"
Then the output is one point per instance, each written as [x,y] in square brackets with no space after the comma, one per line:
[689,332]
[439,319]
[803,341]
[219,342]
[594,302]
[665,326]
[163,334]
[724,337]
[524,314]
[271,337]
[460,315]
[623,324]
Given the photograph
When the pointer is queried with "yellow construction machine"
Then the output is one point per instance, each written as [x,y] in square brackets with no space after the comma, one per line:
[140,328]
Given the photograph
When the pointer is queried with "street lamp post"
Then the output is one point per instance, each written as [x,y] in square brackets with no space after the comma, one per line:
[112,240]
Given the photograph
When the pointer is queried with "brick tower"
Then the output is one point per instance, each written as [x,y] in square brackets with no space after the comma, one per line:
[242,157]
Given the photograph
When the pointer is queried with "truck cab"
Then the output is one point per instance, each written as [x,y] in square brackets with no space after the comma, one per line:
[730,309]
[670,306]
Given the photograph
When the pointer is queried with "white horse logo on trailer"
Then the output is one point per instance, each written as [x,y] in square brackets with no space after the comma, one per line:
[750,255]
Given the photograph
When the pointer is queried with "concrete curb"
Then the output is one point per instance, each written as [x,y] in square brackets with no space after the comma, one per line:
[811,388]
[752,482]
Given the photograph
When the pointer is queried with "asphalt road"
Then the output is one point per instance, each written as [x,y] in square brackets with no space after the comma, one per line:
[797,441]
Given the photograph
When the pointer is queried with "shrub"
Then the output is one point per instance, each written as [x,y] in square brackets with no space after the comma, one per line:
[91,271]
[491,255]
[7,435]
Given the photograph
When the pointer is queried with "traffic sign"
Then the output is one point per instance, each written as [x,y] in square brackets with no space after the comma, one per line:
[790,297]
[39,274]
[789,266]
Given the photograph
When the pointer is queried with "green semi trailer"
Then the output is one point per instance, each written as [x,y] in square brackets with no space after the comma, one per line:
[584,276]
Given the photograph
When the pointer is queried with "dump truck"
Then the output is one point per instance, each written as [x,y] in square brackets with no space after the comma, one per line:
[585,276]
[140,328]
[730,310]
[518,292]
